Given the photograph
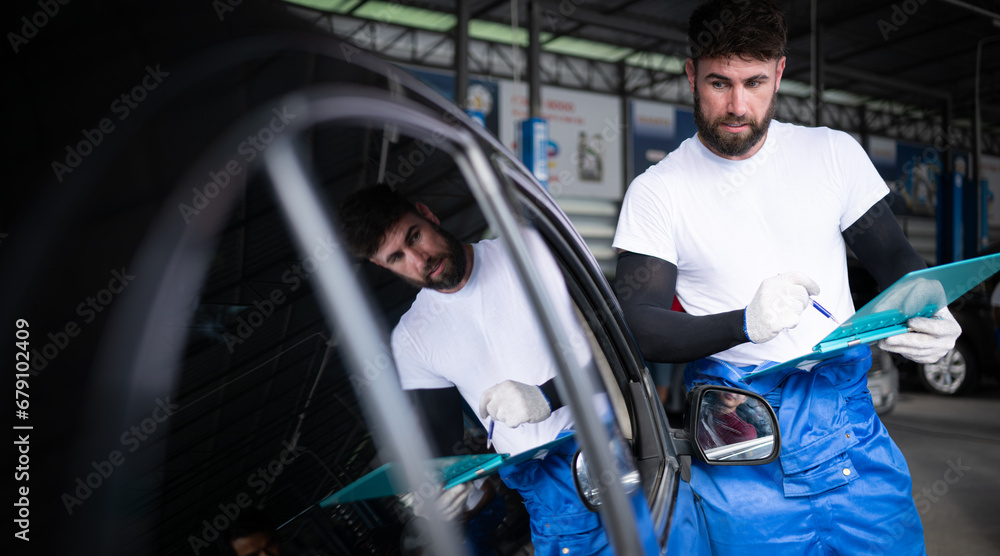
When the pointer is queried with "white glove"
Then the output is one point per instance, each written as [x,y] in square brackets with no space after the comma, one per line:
[451,502]
[929,340]
[514,403]
[778,304]
[913,297]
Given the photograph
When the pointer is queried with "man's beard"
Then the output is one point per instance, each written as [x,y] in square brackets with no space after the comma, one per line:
[724,142]
[454,262]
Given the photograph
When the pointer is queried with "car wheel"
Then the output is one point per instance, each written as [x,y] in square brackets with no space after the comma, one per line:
[954,375]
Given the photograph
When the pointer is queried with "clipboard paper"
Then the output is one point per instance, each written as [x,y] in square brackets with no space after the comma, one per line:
[920,293]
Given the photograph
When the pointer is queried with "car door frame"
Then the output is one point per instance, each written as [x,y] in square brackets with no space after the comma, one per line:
[649,420]
[296,192]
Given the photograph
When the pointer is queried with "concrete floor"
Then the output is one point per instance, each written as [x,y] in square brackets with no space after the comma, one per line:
[952,446]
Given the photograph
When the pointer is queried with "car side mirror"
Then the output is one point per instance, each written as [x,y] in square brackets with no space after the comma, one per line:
[731,426]
[589,489]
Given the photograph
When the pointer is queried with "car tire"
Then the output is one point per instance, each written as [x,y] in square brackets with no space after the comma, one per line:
[954,375]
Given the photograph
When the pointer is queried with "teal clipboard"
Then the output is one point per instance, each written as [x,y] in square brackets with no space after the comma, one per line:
[451,470]
[920,293]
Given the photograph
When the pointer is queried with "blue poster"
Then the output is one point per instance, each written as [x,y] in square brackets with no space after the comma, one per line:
[482,98]
[656,129]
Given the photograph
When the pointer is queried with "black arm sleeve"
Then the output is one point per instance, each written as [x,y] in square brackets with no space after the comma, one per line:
[552,393]
[645,288]
[442,408]
[880,245]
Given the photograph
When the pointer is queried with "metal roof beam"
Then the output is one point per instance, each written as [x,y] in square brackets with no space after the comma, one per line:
[554,11]
[871,11]
[890,82]
[485,9]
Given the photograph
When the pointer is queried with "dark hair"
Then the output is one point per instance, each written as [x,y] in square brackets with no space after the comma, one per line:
[367,215]
[750,29]
[250,521]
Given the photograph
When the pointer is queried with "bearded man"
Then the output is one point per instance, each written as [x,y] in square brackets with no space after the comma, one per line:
[749,220]
[471,334]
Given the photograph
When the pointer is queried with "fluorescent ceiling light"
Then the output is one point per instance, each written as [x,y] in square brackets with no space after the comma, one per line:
[405,16]
[500,33]
[586,49]
[334,6]
[656,61]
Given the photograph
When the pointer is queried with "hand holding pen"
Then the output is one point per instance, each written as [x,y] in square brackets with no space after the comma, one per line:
[826,313]
[489,436]
[778,305]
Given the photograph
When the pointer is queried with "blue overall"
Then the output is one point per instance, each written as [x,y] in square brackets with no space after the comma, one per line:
[560,523]
[840,484]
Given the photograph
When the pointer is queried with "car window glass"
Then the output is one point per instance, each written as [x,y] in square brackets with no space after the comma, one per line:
[489,330]
[264,385]
[266,416]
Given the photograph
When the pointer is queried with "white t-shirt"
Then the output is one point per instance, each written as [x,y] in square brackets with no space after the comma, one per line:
[730,224]
[484,334]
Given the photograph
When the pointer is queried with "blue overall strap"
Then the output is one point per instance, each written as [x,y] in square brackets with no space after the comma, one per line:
[560,523]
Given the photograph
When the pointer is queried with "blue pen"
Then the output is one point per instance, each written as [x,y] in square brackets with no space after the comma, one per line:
[489,437]
[823,310]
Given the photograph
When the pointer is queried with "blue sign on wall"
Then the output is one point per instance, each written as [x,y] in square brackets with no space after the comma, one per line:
[534,145]
[482,100]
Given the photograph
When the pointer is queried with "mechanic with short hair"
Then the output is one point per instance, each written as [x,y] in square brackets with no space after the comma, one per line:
[472,333]
[749,220]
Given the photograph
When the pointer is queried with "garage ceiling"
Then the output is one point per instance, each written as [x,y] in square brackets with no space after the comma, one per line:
[919,53]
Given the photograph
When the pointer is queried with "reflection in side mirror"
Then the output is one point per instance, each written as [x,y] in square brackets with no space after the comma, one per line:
[730,426]
[589,489]
[586,489]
